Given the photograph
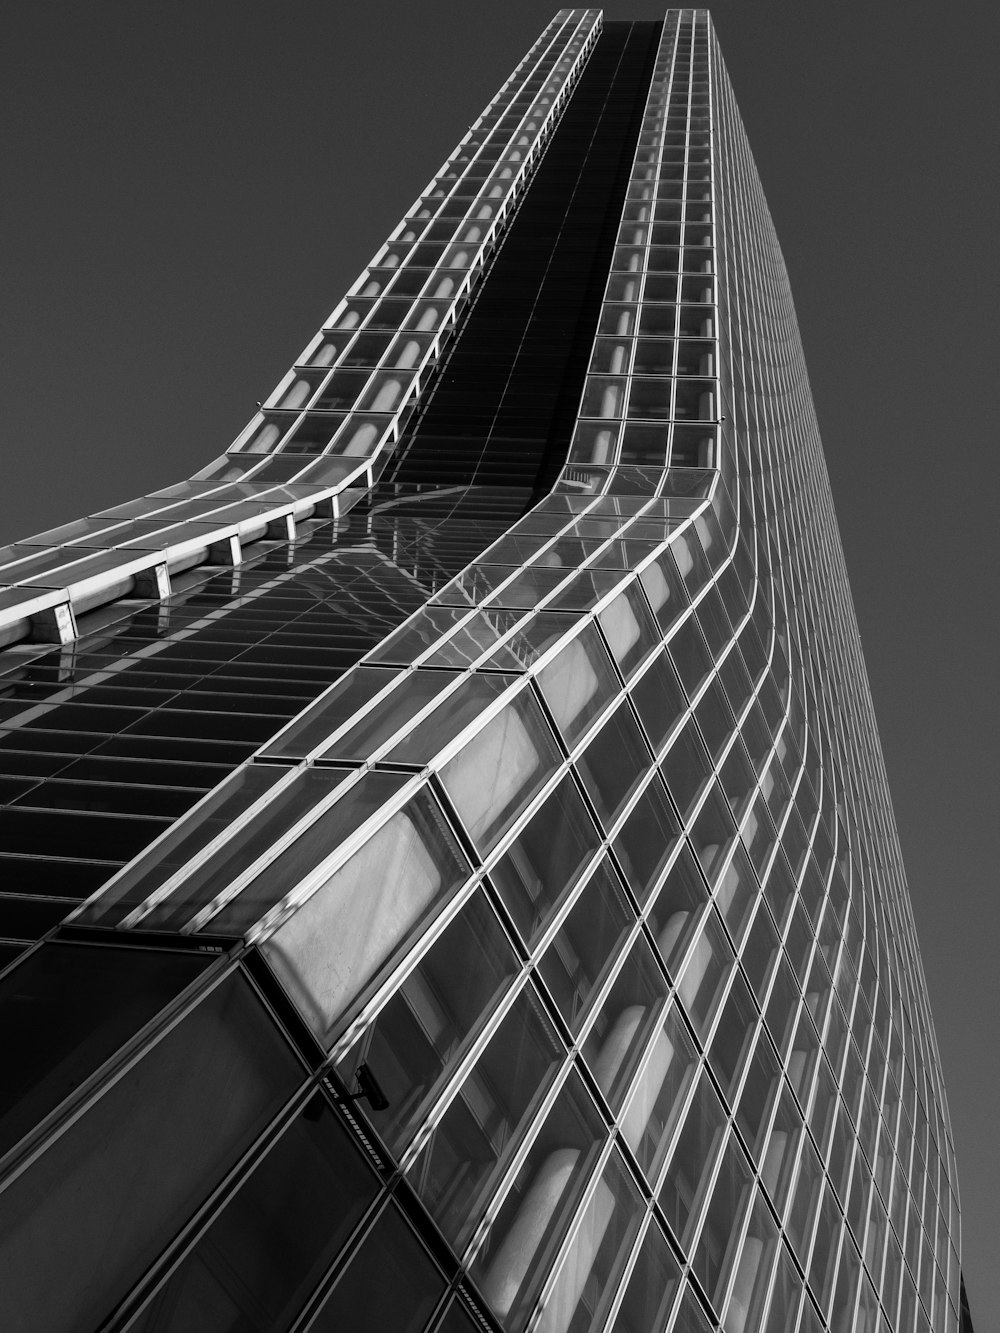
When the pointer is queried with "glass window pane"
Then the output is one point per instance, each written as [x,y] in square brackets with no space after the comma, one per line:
[693,1157]
[824,1107]
[646,839]
[760,952]
[668,1064]
[312,727]
[499,769]
[427,1025]
[712,836]
[65,1010]
[781,1007]
[686,768]
[798,1223]
[629,629]
[337,940]
[614,763]
[704,972]
[689,654]
[282,875]
[824,1255]
[411,639]
[183,843]
[733,1036]
[651,1289]
[691,1316]
[476,693]
[665,591]
[586,1282]
[751,1269]
[736,892]
[208,878]
[678,907]
[456,1173]
[415,690]
[546,859]
[578,684]
[717,1245]
[391,1285]
[659,700]
[760,1089]
[625,1020]
[81,1225]
[591,936]
[265,1253]
[458,1320]
[516,1255]
[535,634]
[785,1295]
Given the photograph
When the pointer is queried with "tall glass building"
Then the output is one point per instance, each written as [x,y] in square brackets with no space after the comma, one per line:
[449,880]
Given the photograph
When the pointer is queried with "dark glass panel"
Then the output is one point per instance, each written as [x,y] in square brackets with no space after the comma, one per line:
[614,763]
[427,1024]
[651,1288]
[659,700]
[89,1215]
[646,840]
[265,1253]
[457,1172]
[623,1025]
[523,1239]
[65,1010]
[590,937]
[391,1284]
[693,1157]
[546,858]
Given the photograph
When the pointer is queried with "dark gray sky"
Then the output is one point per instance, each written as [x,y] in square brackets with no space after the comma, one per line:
[188,189]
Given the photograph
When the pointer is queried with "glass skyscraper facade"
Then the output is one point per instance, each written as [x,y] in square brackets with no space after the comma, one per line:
[450,881]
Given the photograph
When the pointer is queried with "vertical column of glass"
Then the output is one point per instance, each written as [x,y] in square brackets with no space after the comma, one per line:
[651,395]
[797,801]
[831,742]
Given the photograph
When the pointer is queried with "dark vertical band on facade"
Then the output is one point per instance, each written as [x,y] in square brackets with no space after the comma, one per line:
[503,410]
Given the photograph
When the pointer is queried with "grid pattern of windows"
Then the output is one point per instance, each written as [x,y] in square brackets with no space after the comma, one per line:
[558,951]
[333,422]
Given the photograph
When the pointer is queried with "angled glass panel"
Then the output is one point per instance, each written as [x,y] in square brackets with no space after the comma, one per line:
[513,1262]
[614,763]
[457,1171]
[625,1021]
[184,842]
[500,768]
[389,1285]
[199,887]
[547,858]
[652,1287]
[265,1253]
[592,1262]
[693,1159]
[414,1042]
[415,691]
[65,1010]
[313,726]
[664,1073]
[85,1221]
[578,684]
[588,941]
[357,917]
[460,709]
